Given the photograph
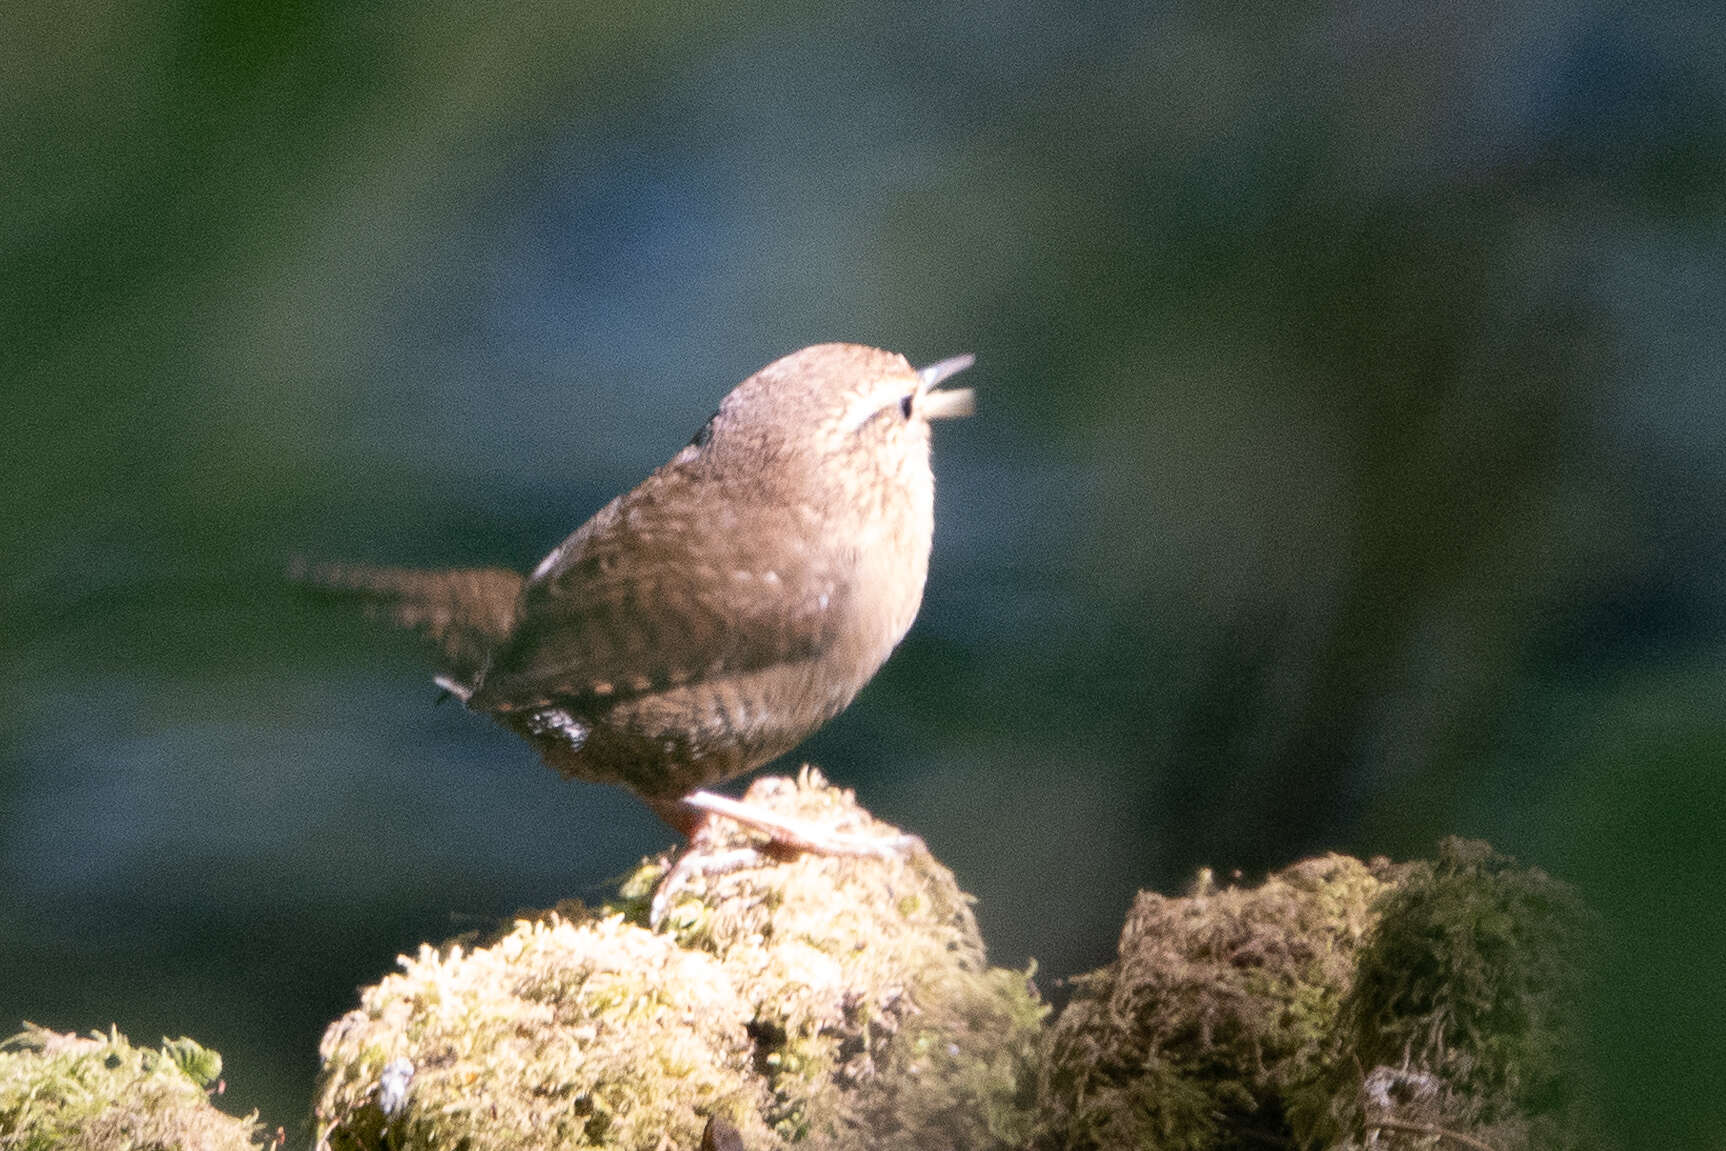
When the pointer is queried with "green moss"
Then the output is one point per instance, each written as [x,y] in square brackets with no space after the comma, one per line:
[1339,1006]
[1219,1005]
[846,1003]
[1463,1015]
[102,1094]
[838,1002]
[560,1034]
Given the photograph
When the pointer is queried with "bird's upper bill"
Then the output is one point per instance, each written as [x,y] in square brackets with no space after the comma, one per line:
[938,405]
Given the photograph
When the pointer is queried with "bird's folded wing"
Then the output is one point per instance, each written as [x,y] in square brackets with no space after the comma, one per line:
[645,597]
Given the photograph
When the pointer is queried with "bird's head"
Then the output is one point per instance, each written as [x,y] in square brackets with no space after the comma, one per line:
[841,408]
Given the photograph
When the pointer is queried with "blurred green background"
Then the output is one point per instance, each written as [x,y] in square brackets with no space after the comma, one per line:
[1349,468]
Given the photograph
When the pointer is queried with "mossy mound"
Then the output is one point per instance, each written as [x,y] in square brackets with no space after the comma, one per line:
[823,1001]
[1220,1004]
[1464,1014]
[1340,1006]
[99,1093]
[561,1034]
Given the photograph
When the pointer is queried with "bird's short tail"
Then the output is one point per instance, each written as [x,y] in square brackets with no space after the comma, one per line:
[465,612]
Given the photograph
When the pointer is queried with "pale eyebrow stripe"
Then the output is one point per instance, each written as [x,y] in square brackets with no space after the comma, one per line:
[862,408]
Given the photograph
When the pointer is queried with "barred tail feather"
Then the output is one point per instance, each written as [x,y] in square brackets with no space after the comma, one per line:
[465,612]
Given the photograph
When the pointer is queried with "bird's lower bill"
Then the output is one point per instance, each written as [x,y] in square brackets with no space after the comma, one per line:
[948,405]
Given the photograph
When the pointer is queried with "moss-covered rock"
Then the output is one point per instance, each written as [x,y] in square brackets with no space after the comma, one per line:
[99,1093]
[1219,1005]
[1339,1006]
[826,1001]
[847,1003]
[1463,1016]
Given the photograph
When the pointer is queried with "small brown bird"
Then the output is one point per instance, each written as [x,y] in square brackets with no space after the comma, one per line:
[710,619]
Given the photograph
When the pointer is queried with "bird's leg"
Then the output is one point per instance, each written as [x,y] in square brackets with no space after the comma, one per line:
[700,857]
[687,821]
[789,836]
[697,815]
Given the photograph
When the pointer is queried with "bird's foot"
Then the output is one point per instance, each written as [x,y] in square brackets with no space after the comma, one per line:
[695,863]
[700,815]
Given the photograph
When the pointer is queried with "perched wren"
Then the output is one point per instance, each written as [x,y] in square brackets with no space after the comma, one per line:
[708,620]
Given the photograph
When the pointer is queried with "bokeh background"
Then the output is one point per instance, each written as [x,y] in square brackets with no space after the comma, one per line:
[1349,469]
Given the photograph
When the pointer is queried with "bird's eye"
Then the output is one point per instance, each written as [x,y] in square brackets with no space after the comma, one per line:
[905,404]
[705,433]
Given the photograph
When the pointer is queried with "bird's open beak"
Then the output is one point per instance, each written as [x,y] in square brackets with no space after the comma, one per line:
[938,405]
